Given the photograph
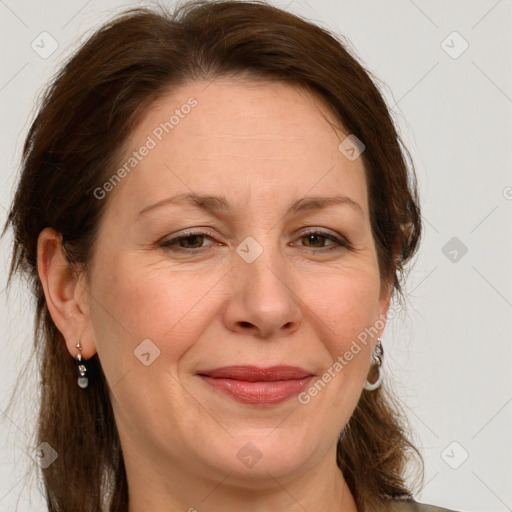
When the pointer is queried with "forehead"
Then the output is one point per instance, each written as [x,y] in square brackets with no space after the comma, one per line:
[210,137]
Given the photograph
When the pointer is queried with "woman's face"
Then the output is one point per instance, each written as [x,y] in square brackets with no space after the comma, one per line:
[241,268]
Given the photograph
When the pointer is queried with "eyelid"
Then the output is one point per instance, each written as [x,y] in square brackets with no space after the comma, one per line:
[338,239]
[319,231]
[186,233]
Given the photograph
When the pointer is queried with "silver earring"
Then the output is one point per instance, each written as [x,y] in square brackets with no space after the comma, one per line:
[81,368]
[377,358]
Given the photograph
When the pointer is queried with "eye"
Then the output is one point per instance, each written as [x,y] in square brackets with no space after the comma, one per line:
[189,242]
[316,239]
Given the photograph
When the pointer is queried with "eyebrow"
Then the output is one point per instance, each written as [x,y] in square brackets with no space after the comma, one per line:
[212,204]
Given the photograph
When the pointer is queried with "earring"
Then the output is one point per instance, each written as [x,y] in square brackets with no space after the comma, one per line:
[81,369]
[377,358]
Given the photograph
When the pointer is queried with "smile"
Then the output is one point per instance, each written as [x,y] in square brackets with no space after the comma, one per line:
[258,386]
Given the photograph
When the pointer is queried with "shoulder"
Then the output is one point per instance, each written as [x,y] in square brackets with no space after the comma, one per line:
[413,506]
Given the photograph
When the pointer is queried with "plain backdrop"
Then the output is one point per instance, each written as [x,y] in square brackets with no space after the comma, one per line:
[446,75]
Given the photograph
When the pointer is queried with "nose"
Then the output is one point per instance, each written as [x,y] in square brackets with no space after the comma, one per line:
[263,300]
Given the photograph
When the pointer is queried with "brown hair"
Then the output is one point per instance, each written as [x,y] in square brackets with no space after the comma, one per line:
[75,141]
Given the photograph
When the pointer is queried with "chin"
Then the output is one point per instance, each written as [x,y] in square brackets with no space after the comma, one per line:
[255,459]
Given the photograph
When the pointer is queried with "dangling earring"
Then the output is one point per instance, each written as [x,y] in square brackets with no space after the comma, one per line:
[377,358]
[81,369]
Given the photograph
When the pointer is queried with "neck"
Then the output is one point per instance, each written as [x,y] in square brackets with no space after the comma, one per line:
[166,489]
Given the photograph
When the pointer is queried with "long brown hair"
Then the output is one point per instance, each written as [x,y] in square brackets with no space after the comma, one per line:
[75,142]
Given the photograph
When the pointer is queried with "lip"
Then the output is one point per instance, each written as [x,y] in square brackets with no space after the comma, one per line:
[258,386]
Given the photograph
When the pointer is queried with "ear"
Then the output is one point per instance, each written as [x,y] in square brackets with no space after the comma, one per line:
[384,302]
[386,291]
[65,293]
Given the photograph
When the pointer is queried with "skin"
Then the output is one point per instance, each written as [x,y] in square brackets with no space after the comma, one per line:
[263,146]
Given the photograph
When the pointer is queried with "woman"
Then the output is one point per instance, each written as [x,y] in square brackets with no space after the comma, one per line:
[214,212]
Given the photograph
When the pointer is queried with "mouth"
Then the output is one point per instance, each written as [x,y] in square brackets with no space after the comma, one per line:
[258,386]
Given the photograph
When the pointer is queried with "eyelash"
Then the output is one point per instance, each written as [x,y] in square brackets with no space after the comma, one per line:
[338,242]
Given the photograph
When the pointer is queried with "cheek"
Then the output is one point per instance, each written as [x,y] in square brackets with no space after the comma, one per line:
[346,302]
[145,319]
[136,302]
[349,311]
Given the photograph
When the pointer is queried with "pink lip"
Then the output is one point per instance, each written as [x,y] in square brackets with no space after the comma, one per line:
[252,385]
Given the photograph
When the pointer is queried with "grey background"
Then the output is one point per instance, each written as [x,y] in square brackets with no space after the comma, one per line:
[449,354]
